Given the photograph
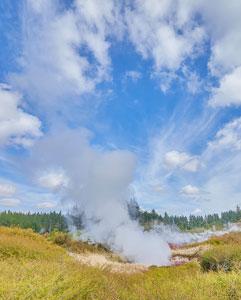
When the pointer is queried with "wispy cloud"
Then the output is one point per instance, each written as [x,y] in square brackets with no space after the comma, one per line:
[188,47]
[47,205]
[65,52]
[17,127]
[7,189]
[9,202]
[133,75]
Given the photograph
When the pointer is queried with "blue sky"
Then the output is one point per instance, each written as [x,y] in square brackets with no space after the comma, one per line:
[140,98]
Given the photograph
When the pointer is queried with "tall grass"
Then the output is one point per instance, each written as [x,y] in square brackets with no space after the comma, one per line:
[31,268]
[224,255]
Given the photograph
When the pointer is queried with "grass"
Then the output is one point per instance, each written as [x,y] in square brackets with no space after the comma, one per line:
[32,267]
[224,254]
[66,241]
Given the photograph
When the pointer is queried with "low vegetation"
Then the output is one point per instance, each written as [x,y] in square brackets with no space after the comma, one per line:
[66,240]
[37,267]
[224,255]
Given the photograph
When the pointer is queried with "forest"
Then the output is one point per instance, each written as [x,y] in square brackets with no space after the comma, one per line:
[47,222]
[39,222]
[148,219]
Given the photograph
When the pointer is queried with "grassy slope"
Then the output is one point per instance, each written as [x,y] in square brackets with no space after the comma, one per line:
[31,267]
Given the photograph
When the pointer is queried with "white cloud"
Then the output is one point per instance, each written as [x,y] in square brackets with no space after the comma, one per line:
[221,177]
[222,22]
[168,32]
[175,159]
[11,202]
[47,204]
[229,137]
[190,190]
[133,75]
[16,126]
[164,31]
[70,46]
[54,180]
[77,41]
[7,189]
[192,80]
[229,90]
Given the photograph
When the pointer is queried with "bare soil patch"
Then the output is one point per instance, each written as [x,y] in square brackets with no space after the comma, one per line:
[103,262]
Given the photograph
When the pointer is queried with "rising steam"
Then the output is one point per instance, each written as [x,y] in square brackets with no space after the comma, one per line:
[97,188]
[173,235]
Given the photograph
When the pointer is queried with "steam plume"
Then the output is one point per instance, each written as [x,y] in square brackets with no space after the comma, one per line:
[98,183]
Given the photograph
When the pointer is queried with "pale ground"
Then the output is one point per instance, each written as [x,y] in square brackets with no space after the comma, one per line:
[190,251]
[103,262]
[184,255]
[179,256]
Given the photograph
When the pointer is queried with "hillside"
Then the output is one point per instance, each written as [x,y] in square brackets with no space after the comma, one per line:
[35,267]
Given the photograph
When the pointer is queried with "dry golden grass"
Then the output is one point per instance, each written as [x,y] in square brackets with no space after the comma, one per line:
[33,268]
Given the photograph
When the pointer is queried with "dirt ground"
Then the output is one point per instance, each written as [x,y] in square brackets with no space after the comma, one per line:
[103,262]
[179,256]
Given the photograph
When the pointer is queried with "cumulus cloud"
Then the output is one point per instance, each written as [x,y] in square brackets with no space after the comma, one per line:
[222,22]
[17,127]
[169,32]
[77,42]
[9,202]
[175,159]
[229,137]
[229,90]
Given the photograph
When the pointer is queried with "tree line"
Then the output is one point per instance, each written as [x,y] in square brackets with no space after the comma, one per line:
[148,219]
[39,222]
[47,222]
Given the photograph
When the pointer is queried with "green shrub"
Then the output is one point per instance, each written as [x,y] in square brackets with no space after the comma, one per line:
[221,258]
[60,238]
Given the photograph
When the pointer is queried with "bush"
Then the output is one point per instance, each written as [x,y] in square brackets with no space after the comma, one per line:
[60,238]
[221,258]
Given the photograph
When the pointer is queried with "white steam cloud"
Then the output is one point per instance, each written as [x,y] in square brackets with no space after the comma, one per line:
[98,189]
[173,235]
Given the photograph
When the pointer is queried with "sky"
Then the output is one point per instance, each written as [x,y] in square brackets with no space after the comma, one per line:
[134,98]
